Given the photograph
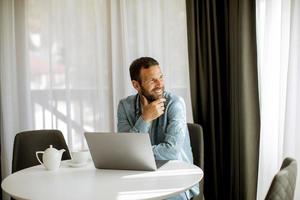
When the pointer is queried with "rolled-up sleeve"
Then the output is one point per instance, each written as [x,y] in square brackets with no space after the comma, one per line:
[125,125]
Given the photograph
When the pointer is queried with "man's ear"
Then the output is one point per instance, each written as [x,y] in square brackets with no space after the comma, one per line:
[136,85]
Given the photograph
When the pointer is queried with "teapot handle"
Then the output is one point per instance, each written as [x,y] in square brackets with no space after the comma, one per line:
[37,156]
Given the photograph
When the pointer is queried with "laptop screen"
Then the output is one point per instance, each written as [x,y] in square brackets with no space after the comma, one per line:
[122,151]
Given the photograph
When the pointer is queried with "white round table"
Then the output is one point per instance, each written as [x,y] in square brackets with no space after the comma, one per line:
[90,183]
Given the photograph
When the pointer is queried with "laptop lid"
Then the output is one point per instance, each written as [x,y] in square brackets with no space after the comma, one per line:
[126,151]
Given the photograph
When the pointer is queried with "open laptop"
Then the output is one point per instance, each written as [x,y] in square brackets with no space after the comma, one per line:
[126,151]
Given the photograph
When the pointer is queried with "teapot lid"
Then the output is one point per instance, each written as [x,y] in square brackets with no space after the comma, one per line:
[51,149]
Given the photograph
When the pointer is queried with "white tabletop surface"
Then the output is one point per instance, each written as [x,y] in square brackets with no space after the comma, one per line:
[90,183]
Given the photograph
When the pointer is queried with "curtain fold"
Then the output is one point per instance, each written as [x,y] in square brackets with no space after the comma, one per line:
[278,31]
[65,64]
[224,90]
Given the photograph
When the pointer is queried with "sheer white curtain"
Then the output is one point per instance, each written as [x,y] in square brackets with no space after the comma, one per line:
[64,63]
[278,31]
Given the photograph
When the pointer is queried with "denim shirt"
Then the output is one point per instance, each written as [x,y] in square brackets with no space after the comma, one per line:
[168,133]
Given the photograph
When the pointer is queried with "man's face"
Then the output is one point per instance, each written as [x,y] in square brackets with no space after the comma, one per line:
[152,83]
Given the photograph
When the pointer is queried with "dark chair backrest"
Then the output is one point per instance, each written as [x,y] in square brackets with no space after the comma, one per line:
[197,144]
[284,182]
[28,142]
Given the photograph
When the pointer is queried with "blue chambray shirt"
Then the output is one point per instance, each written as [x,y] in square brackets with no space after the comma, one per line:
[168,133]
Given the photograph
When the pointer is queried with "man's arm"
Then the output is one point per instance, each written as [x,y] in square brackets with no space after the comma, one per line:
[125,124]
[175,134]
[151,111]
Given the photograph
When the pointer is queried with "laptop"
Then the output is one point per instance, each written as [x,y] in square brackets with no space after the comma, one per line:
[122,151]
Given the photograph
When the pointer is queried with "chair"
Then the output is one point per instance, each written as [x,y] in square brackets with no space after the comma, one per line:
[197,144]
[284,182]
[28,142]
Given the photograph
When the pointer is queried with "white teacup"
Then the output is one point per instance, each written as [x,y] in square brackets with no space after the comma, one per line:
[81,156]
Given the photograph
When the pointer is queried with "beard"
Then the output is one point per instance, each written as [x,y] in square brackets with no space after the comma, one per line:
[152,96]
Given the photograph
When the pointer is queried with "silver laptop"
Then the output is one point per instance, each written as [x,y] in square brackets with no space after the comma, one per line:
[126,151]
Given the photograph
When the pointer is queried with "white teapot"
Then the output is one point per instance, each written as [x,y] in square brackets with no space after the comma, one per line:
[51,157]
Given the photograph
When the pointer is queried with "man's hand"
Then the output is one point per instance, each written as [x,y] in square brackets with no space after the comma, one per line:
[152,110]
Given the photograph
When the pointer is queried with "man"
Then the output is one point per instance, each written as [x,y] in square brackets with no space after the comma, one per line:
[159,113]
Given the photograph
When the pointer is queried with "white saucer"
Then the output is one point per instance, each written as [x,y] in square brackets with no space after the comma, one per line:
[72,164]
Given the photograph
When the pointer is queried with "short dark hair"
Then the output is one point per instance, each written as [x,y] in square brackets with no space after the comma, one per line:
[138,64]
